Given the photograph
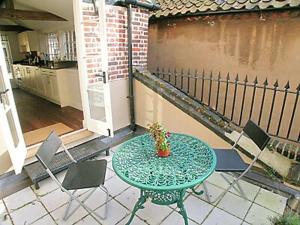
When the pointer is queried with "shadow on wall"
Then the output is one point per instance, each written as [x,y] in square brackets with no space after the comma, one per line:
[253,45]
[151,107]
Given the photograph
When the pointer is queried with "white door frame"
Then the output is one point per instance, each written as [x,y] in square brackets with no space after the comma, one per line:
[95,126]
[17,151]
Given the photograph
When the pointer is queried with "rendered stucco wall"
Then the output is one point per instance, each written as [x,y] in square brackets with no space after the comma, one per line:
[151,107]
[263,45]
[119,103]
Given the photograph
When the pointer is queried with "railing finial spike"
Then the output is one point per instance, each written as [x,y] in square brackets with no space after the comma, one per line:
[237,77]
[227,77]
[211,75]
[287,86]
[276,83]
[266,82]
[246,78]
[255,81]
[298,88]
[219,75]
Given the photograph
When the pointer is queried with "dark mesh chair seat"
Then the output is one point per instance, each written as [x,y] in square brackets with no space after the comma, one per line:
[86,174]
[228,160]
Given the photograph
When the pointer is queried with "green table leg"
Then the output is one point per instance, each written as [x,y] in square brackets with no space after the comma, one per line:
[138,205]
[197,192]
[181,207]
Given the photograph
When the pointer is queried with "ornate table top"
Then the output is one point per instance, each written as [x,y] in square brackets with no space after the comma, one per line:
[190,163]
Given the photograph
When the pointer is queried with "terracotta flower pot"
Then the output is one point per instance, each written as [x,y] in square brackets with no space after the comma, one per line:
[163,153]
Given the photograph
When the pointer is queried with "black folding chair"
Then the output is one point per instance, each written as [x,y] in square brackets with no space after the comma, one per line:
[80,175]
[229,161]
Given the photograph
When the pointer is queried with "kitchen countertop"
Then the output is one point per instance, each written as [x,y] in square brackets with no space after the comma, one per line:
[53,68]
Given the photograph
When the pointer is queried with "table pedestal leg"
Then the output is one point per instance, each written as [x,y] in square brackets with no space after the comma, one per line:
[181,207]
[138,205]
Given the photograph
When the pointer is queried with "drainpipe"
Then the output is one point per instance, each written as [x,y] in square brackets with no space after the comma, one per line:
[129,4]
[130,68]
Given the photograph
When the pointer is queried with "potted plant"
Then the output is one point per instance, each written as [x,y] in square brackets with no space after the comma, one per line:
[286,219]
[160,136]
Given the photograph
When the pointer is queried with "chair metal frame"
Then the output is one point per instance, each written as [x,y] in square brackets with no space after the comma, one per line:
[237,177]
[71,194]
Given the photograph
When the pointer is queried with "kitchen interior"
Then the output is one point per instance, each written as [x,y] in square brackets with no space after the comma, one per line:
[40,52]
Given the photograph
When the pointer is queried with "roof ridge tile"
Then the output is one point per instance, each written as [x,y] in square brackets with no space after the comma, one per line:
[175,7]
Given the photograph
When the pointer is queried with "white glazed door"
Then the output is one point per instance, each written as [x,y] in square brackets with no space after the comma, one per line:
[9,121]
[95,93]
[98,108]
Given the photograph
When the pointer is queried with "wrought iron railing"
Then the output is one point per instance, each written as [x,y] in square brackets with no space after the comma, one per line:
[273,107]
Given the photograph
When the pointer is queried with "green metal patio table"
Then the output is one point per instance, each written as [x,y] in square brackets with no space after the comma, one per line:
[164,180]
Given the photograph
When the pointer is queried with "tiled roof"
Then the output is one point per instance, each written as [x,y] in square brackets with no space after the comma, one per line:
[185,7]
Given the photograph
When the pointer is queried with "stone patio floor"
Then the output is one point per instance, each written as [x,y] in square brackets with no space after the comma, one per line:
[46,206]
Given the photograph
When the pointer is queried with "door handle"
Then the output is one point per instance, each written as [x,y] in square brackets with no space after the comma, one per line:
[4,92]
[103,76]
[1,95]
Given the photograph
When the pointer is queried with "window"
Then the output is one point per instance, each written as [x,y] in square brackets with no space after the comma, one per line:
[53,46]
[62,45]
[69,45]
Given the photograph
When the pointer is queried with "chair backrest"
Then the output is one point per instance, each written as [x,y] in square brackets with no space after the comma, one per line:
[256,134]
[48,149]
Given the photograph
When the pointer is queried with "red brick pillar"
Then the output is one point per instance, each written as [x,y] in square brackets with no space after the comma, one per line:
[116,22]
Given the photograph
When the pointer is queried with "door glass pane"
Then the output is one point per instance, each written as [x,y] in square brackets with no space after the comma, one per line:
[7,54]
[9,115]
[2,84]
[5,100]
[96,102]
[12,127]
[3,97]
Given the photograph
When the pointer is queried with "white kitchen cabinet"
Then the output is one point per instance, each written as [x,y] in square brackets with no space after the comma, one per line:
[22,75]
[58,86]
[69,88]
[29,78]
[43,42]
[23,42]
[28,41]
[54,89]
[50,85]
[34,78]
[26,79]
[39,83]
[47,86]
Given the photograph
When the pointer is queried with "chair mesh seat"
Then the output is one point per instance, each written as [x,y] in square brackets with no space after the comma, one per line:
[228,160]
[85,174]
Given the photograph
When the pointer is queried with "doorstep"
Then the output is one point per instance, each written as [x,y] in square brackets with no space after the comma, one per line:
[70,140]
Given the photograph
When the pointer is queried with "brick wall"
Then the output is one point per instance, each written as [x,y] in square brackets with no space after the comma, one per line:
[92,48]
[140,38]
[116,19]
